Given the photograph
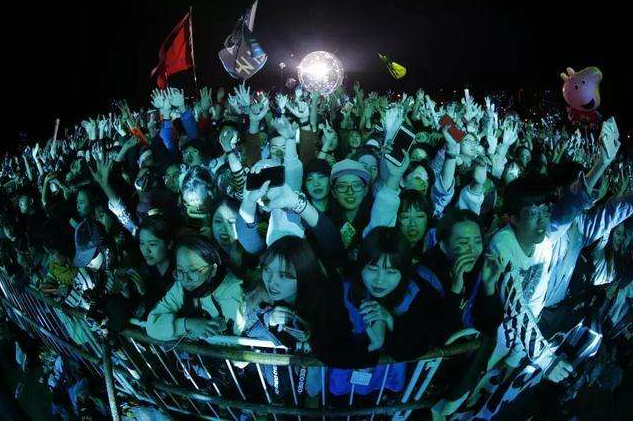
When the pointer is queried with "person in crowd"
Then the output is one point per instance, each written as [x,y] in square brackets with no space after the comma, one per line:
[489,225]
[288,306]
[414,222]
[205,299]
[156,242]
[383,305]
[317,183]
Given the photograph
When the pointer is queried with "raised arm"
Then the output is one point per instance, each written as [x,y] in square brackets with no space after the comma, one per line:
[101,175]
[578,197]
[384,210]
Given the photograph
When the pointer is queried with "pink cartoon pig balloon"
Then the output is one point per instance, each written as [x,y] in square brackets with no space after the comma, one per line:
[581,89]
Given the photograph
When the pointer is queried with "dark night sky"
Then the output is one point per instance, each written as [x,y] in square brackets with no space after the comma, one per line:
[72,60]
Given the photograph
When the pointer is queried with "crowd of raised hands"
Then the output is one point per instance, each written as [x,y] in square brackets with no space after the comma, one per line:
[297,214]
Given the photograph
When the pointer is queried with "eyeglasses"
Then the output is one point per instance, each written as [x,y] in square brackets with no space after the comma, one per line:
[345,187]
[167,177]
[543,211]
[190,276]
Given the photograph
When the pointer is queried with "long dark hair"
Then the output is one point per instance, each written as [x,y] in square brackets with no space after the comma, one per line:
[414,199]
[310,276]
[379,242]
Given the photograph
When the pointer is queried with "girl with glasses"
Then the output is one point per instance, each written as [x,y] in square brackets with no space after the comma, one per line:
[205,299]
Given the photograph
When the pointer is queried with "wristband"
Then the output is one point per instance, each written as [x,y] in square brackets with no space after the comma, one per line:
[450,156]
[302,203]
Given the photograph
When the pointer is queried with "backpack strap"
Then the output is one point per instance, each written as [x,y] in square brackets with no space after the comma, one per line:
[430,277]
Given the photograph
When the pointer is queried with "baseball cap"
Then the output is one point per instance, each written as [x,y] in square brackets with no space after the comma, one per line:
[349,166]
[88,239]
[372,143]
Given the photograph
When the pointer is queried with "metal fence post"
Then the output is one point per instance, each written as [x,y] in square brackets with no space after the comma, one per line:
[109,380]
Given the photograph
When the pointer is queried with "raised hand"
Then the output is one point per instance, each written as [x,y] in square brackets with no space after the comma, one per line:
[368,108]
[228,139]
[510,131]
[346,111]
[395,172]
[329,139]
[257,111]
[492,126]
[158,99]
[176,98]
[102,167]
[243,94]
[118,126]
[282,102]
[452,146]
[234,104]
[609,140]
[300,109]
[251,198]
[281,197]
[90,126]
[284,127]
[430,115]
[103,127]
[468,104]
[205,99]
[392,120]
[125,109]
[197,110]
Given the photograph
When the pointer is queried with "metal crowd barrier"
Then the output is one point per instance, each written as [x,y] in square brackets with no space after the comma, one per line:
[233,379]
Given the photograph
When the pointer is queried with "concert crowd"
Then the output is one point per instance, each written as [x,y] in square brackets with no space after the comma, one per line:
[346,226]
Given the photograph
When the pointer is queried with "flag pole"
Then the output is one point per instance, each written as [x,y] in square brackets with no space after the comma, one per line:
[193,57]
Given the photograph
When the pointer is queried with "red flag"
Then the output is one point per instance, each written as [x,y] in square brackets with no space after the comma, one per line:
[175,54]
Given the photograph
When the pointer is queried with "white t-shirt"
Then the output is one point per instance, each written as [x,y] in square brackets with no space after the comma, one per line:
[522,292]
[534,270]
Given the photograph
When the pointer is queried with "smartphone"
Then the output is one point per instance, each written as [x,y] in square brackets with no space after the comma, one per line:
[276,175]
[403,141]
[455,132]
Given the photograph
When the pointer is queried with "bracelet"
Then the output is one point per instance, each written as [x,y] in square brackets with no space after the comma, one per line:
[302,203]
[450,156]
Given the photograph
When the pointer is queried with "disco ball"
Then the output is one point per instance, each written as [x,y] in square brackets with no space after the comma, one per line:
[321,71]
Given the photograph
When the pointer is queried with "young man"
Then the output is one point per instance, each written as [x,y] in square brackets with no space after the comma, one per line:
[531,245]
